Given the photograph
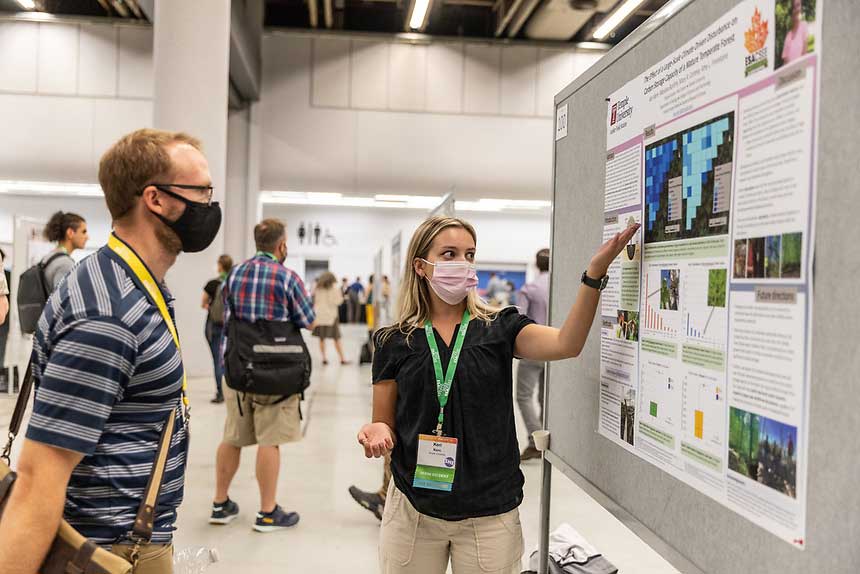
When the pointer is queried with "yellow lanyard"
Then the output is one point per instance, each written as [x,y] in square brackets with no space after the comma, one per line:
[145,277]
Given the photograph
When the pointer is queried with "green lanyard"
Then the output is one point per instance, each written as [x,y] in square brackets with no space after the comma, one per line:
[269,255]
[445,380]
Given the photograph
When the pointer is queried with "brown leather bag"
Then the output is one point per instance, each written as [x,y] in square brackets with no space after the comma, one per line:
[70,552]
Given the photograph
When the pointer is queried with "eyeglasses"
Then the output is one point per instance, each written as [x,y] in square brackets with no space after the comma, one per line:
[210,191]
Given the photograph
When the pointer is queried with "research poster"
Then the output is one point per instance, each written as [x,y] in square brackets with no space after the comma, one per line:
[705,325]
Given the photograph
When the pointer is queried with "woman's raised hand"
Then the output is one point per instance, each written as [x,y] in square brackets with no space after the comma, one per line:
[609,251]
[377,439]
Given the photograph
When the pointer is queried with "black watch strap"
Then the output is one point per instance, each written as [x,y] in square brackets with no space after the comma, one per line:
[599,284]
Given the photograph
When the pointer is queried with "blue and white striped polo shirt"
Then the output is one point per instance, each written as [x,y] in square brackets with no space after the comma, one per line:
[108,374]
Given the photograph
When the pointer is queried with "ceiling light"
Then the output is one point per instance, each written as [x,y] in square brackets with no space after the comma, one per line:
[53,188]
[27,4]
[414,201]
[475,206]
[394,201]
[419,13]
[488,204]
[389,197]
[596,46]
[616,18]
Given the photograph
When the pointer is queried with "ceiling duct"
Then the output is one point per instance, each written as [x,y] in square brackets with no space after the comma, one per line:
[562,19]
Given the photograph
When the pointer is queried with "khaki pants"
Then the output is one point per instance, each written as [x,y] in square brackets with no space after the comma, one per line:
[262,420]
[386,477]
[414,543]
[154,558]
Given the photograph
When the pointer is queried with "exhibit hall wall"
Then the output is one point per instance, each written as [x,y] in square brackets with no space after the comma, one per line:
[67,92]
[365,116]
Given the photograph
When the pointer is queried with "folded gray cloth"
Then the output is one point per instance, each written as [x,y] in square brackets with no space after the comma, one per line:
[571,553]
[593,565]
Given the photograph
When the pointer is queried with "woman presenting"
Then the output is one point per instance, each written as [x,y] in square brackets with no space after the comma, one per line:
[443,406]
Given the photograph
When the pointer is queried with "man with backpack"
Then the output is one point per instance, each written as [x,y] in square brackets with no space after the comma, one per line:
[267,367]
[213,302]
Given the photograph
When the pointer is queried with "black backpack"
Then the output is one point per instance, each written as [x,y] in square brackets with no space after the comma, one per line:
[33,293]
[266,358]
[216,306]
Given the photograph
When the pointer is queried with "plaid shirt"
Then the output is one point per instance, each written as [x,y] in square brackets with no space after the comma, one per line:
[262,288]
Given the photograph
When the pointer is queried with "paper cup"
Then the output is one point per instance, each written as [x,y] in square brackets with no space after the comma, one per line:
[541,439]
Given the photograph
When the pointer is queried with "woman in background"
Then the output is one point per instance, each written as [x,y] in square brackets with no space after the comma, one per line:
[213,302]
[327,299]
[69,232]
[797,37]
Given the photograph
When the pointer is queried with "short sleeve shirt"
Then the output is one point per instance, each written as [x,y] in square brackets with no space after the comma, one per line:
[61,264]
[262,288]
[479,413]
[211,288]
[108,374]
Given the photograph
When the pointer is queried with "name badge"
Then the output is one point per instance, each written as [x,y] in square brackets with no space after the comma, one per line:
[437,461]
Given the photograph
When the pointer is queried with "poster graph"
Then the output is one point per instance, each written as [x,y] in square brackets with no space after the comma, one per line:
[688,178]
[662,296]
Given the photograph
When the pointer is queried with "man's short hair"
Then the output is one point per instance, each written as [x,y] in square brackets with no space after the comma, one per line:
[542,260]
[268,234]
[135,161]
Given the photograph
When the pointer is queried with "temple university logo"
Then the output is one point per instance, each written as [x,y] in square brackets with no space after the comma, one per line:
[619,112]
[755,41]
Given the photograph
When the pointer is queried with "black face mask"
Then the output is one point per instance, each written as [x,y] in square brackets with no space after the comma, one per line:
[197,226]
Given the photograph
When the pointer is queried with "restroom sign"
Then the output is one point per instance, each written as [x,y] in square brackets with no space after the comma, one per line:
[561,122]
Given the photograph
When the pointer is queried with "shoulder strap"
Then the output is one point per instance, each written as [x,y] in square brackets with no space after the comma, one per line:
[49,260]
[18,413]
[43,271]
[145,520]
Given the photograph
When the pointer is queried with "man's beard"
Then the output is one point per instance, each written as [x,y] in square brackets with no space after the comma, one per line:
[168,238]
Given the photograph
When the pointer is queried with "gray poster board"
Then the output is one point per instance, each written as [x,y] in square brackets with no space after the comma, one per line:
[686,526]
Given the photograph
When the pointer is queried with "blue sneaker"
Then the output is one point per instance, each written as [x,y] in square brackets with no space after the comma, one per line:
[275,520]
[224,513]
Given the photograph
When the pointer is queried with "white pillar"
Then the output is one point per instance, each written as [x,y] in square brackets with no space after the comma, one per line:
[253,207]
[235,233]
[191,66]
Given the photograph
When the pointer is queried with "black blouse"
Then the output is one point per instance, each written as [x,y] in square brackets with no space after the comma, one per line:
[211,288]
[479,413]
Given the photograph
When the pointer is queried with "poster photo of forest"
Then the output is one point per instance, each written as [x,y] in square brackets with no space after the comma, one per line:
[763,450]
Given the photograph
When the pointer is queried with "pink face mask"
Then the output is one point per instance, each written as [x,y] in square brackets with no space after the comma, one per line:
[452,280]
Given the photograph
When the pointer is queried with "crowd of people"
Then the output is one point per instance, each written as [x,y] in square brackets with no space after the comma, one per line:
[111,380]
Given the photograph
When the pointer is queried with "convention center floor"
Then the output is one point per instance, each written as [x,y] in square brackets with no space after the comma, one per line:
[334,533]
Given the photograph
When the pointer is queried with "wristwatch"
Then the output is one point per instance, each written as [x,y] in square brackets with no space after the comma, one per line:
[599,284]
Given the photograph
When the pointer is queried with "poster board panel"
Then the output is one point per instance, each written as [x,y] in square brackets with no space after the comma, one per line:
[712,536]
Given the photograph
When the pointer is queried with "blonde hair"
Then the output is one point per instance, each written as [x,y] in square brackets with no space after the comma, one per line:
[414,299]
[133,162]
